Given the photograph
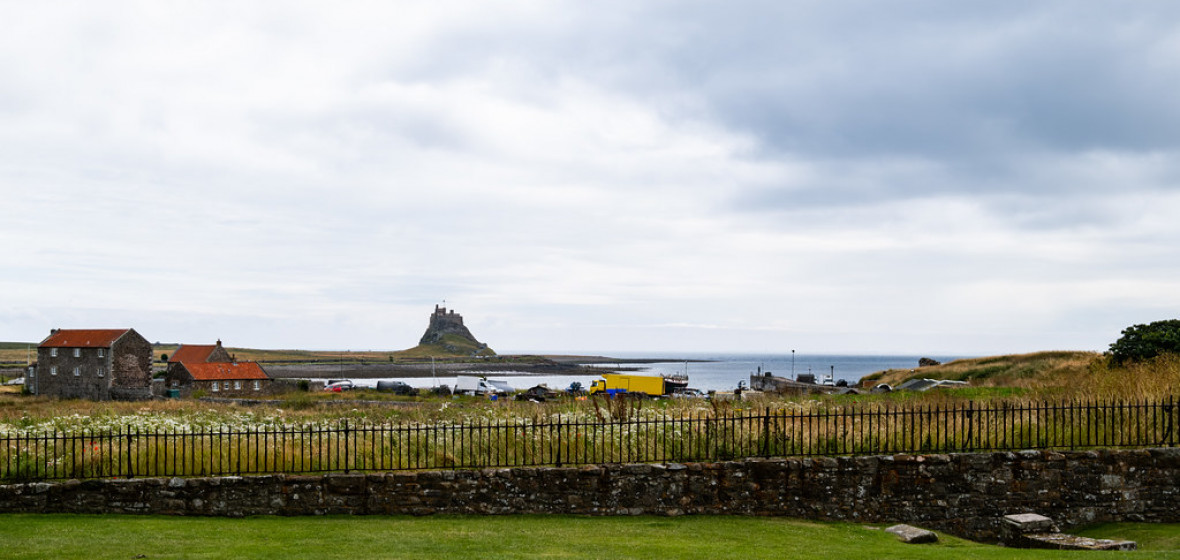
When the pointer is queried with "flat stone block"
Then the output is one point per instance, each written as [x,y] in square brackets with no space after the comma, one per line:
[912,535]
[1030,523]
[1060,541]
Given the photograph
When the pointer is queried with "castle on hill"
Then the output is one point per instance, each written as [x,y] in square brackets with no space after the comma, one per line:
[444,322]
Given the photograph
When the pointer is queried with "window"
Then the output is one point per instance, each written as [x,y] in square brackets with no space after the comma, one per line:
[53,352]
[225,385]
[257,385]
[176,383]
[77,371]
[102,352]
[237,385]
[214,386]
[53,370]
[77,352]
[102,371]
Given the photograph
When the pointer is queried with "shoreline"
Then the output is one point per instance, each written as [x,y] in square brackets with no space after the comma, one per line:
[375,371]
[554,365]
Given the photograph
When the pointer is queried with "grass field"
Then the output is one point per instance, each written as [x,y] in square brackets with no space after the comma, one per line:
[549,537]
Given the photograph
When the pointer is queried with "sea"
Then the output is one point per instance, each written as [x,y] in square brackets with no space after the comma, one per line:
[707,372]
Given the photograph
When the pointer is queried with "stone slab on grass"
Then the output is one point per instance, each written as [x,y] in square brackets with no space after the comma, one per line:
[1030,523]
[912,535]
[1061,541]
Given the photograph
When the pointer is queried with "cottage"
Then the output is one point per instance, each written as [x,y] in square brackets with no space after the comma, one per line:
[233,379]
[194,354]
[97,364]
[199,353]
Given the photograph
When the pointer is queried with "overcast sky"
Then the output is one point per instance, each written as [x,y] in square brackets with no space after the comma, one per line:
[926,177]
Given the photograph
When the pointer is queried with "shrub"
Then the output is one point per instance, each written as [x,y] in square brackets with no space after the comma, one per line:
[1143,342]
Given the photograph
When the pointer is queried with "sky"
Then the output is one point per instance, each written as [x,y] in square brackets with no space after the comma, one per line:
[864,177]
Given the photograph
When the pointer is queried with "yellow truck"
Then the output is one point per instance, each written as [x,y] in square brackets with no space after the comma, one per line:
[613,384]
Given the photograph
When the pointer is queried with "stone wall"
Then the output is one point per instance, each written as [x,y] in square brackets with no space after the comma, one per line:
[131,363]
[963,494]
[55,373]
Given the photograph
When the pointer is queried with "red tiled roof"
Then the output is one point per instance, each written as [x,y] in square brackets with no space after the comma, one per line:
[192,353]
[225,370]
[83,338]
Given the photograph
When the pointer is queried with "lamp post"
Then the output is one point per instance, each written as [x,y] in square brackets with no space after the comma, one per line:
[793,365]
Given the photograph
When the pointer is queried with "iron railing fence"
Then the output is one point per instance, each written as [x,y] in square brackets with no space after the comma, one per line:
[847,429]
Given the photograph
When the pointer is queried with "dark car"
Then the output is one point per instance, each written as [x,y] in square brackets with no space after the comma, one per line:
[396,387]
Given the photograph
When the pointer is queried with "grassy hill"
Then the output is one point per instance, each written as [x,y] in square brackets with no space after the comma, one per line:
[451,346]
[1050,376]
[1046,368]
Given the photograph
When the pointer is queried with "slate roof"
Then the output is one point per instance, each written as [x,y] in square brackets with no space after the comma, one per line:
[192,353]
[83,338]
[218,371]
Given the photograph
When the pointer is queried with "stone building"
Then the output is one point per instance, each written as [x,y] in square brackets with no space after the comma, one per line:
[96,364]
[226,379]
[210,368]
[199,353]
[443,322]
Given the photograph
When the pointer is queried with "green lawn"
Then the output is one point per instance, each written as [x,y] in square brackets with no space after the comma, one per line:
[474,538]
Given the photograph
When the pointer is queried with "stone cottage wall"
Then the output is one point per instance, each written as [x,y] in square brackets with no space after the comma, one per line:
[132,363]
[88,384]
[963,494]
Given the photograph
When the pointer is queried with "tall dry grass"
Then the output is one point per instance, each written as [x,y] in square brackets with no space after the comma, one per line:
[1154,379]
[1044,377]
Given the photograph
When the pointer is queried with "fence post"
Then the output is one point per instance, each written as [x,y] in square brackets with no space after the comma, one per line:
[346,462]
[970,412]
[766,432]
[557,440]
[130,459]
[1168,436]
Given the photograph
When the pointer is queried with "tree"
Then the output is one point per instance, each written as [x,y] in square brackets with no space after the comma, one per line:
[1143,342]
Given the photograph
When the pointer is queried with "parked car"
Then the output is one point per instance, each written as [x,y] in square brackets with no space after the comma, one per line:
[396,387]
[539,393]
[338,386]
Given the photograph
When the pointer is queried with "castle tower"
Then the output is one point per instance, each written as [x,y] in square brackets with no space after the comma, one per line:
[443,322]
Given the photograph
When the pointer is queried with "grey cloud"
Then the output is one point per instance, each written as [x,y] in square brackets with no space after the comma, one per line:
[890,79]
[329,160]
[980,92]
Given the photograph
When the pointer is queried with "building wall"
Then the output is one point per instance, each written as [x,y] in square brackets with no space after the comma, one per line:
[233,388]
[94,372]
[963,494]
[178,377]
[123,371]
[219,354]
[132,362]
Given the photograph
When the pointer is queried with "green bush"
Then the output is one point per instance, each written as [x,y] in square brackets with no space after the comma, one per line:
[1143,342]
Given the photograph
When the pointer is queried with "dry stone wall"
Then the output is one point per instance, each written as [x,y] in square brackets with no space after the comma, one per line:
[963,494]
